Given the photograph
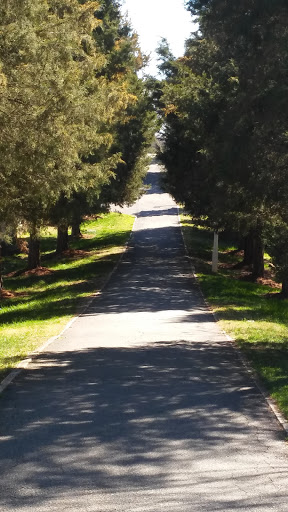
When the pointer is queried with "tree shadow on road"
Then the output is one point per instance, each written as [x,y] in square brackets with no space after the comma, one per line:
[124,419]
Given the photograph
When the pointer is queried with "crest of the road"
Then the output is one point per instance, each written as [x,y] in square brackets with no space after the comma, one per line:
[142,405]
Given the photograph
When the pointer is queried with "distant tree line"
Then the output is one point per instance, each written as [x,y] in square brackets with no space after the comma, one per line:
[226,124]
[75,118]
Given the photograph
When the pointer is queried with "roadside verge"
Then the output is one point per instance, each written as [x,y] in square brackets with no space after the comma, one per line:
[239,308]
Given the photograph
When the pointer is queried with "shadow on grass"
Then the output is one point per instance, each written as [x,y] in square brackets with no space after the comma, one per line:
[48,245]
[243,300]
[103,241]
[59,299]
[200,243]
[114,420]
[239,299]
[270,360]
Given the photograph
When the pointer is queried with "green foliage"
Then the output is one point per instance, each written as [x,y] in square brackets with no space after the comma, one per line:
[134,131]
[118,41]
[166,58]
[130,132]
[192,107]
[133,138]
[48,103]
[70,105]
[226,116]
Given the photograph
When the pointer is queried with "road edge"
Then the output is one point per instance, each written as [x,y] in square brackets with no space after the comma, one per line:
[22,365]
[271,403]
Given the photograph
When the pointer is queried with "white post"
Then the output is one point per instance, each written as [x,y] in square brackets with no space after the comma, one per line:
[215,253]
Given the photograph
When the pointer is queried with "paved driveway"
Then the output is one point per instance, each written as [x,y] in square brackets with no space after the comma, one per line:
[142,405]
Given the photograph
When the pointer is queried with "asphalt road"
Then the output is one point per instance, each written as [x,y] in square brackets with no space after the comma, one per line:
[142,405]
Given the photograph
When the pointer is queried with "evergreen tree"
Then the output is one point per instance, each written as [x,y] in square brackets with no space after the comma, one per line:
[226,107]
[131,132]
[54,110]
[134,132]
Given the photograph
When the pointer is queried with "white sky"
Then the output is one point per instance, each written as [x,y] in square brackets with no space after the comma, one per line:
[153,19]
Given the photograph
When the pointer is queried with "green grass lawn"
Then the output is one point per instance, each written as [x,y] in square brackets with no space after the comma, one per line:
[43,304]
[257,322]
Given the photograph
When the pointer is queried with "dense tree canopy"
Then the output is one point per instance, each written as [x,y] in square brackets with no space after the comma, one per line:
[68,91]
[226,118]
[133,133]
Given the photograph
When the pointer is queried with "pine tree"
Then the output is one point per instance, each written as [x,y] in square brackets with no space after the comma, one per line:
[134,132]
[56,109]
[229,109]
[131,132]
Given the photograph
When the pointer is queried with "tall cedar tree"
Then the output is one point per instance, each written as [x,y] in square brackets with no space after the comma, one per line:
[54,110]
[227,116]
[132,133]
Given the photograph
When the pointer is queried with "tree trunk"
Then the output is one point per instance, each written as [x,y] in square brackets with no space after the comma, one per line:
[62,238]
[215,252]
[284,291]
[34,249]
[248,249]
[76,233]
[258,256]
[1,277]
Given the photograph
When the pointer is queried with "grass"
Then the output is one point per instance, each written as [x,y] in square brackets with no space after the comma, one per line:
[41,305]
[257,321]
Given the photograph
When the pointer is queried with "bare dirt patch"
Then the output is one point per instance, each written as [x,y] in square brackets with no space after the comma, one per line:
[75,253]
[269,281]
[39,271]
[244,274]
[8,294]
[93,217]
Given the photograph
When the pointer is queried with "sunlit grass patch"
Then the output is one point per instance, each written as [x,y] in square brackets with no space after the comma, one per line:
[245,310]
[43,304]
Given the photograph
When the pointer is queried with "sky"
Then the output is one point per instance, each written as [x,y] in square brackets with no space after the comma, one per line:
[153,19]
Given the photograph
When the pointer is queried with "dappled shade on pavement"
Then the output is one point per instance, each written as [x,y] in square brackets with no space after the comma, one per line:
[142,405]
